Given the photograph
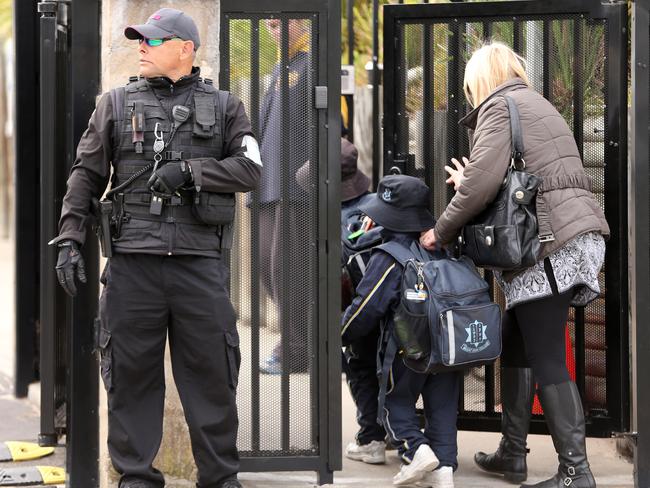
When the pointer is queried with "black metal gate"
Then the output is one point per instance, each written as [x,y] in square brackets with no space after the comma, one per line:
[282,59]
[576,53]
[68,367]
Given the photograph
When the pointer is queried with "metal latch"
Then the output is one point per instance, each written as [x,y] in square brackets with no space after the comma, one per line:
[320,97]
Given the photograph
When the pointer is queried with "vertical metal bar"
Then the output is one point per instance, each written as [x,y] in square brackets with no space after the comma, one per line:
[349,99]
[82,434]
[490,395]
[376,166]
[428,107]
[390,61]
[578,134]
[255,242]
[453,103]
[48,284]
[517,36]
[332,322]
[579,348]
[26,208]
[487,31]
[616,270]
[546,56]
[578,86]
[640,238]
[285,209]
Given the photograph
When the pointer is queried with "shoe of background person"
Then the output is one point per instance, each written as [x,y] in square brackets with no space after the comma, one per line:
[273,364]
[372,453]
[423,462]
[439,478]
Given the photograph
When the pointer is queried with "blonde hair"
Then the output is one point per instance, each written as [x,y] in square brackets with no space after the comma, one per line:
[490,66]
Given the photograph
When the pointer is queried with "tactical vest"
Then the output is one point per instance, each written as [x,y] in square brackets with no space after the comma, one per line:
[176,230]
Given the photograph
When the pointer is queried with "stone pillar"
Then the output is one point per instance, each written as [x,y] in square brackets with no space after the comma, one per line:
[119,61]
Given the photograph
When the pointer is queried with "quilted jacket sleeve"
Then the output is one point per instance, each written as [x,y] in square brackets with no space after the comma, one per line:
[483,176]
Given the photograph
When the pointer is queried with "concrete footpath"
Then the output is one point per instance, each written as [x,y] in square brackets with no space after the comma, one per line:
[19,420]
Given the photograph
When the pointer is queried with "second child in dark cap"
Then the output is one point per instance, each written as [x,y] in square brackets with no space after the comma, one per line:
[400,206]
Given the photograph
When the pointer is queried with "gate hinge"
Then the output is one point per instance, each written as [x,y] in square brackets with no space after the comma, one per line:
[622,435]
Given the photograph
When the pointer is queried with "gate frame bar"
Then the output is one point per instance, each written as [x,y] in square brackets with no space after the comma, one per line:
[639,215]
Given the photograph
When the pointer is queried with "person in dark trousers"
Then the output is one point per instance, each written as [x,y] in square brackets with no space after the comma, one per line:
[400,206]
[178,147]
[572,228]
[285,146]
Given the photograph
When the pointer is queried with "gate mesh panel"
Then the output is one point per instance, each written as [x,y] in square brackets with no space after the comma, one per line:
[273,261]
[566,63]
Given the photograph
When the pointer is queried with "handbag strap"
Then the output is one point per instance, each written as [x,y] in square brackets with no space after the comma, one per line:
[515,131]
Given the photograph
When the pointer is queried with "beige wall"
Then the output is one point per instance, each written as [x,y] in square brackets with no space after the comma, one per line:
[119,61]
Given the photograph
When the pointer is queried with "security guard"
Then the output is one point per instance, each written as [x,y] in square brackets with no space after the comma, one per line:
[180,149]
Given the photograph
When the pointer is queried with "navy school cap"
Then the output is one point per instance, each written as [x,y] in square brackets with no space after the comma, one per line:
[166,22]
[401,204]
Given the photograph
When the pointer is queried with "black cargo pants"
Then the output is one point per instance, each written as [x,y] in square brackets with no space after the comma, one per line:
[146,298]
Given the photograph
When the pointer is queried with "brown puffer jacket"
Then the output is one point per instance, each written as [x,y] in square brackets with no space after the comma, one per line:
[565,205]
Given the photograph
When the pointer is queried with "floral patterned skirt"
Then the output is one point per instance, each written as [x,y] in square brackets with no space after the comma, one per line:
[576,265]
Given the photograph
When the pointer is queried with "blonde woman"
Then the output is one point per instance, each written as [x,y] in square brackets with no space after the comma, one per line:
[539,297]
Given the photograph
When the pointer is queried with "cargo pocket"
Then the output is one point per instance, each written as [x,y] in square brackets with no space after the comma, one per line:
[106,358]
[234,358]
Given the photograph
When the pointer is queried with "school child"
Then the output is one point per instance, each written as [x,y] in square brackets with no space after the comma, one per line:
[401,208]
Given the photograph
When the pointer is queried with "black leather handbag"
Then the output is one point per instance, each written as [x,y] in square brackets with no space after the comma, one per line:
[504,236]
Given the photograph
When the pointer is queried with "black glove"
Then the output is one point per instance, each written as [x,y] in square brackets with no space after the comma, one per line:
[69,261]
[166,180]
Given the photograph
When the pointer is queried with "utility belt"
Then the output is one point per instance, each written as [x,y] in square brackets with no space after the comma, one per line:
[201,208]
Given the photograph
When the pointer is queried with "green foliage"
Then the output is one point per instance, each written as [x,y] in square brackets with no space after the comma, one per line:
[240,50]
[6,19]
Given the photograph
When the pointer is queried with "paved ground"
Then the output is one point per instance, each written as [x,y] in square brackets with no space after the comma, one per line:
[19,421]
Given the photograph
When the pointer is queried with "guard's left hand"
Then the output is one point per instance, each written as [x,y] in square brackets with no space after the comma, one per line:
[172,176]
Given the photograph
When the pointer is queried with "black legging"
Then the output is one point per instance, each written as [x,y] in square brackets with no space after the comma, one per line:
[534,336]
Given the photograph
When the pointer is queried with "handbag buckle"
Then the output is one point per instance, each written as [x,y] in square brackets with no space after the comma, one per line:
[546,238]
[514,165]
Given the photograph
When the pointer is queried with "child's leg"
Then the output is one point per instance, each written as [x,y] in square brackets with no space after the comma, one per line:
[399,415]
[440,396]
[362,378]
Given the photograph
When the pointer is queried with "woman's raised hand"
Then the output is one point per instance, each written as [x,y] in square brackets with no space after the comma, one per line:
[456,174]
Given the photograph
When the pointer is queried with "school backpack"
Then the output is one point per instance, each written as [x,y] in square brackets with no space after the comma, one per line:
[445,319]
[356,248]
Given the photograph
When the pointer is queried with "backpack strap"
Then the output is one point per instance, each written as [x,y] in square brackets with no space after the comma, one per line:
[117,102]
[384,368]
[398,251]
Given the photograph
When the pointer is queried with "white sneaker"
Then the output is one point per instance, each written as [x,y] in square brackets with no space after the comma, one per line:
[440,478]
[372,453]
[424,461]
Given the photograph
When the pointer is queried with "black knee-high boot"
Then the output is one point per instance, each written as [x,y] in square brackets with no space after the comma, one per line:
[566,421]
[517,394]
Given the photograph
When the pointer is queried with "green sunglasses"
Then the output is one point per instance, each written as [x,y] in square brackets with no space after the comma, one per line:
[156,42]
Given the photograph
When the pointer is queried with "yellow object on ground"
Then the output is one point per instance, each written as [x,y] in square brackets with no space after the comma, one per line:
[26,451]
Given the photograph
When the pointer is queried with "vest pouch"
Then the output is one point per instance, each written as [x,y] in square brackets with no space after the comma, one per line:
[204,116]
[214,208]
[470,335]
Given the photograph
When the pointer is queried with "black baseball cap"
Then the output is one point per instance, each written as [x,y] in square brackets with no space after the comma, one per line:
[166,22]
[401,204]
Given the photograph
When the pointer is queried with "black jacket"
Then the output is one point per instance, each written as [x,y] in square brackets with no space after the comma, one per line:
[378,292]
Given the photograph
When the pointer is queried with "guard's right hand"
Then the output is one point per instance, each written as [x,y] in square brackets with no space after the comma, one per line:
[69,262]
